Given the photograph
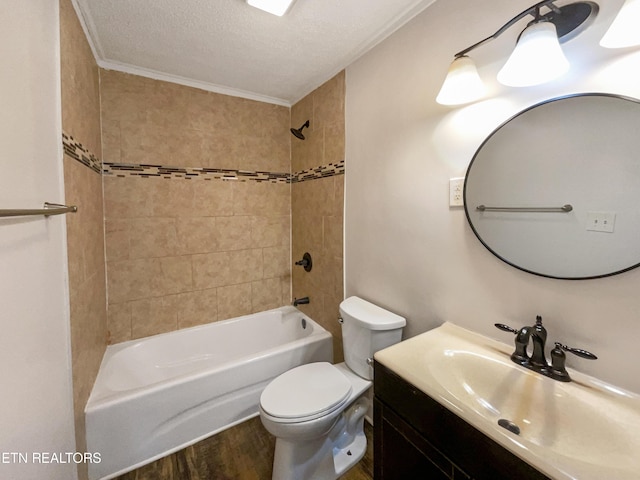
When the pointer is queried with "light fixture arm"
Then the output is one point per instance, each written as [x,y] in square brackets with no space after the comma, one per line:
[537,57]
[534,10]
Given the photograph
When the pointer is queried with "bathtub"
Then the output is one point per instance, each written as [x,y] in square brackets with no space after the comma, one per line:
[159,394]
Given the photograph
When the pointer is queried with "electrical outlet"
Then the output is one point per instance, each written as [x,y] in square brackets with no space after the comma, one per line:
[456,187]
[601,221]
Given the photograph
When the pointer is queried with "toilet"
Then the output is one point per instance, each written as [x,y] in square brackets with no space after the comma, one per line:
[316,411]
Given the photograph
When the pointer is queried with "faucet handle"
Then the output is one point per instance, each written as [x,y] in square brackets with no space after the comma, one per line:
[505,328]
[577,351]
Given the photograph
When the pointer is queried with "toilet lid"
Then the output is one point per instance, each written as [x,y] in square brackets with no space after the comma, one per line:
[306,391]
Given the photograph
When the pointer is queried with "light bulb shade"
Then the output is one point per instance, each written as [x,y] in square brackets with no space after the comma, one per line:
[625,29]
[275,7]
[536,59]
[462,84]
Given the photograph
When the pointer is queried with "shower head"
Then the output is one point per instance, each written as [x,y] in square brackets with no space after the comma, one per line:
[298,131]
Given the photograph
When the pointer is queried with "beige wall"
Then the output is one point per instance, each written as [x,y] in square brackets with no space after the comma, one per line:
[407,250]
[85,229]
[187,251]
[317,204]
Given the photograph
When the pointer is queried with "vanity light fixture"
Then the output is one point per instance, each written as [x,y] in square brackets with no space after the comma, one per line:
[537,57]
[624,31]
[275,7]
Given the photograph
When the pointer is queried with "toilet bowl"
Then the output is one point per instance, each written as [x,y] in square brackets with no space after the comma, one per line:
[316,411]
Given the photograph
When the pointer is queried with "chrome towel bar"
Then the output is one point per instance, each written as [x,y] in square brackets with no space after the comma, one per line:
[49,209]
[564,209]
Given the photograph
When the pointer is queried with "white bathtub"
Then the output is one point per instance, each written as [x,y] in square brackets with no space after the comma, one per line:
[159,394]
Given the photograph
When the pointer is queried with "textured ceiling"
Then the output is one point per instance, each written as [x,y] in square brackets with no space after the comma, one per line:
[230,47]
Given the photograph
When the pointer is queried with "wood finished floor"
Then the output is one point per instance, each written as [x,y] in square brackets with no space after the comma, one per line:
[243,452]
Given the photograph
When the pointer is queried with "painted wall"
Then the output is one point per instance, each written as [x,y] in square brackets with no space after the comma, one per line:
[36,406]
[197,205]
[85,229]
[406,249]
[317,203]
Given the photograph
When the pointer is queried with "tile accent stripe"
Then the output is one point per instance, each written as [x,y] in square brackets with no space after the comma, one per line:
[146,171]
[319,172]
[76,151]
[159,171]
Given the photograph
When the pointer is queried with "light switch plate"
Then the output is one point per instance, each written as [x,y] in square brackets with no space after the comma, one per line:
[456,187]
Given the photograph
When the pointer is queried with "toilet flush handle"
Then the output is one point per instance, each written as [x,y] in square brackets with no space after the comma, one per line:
[370,361]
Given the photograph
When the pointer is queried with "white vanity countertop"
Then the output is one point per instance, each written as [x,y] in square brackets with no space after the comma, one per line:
[582,430]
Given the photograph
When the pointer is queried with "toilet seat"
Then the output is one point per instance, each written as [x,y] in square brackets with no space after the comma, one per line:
[305,393]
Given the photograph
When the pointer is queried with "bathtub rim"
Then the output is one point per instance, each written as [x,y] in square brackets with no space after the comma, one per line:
[107,397]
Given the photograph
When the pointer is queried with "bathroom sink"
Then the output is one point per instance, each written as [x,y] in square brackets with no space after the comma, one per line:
[584,429]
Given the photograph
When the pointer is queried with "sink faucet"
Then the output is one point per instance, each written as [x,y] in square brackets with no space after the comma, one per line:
[537,362]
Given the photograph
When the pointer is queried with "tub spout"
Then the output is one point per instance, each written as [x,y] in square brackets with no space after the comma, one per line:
[300,301]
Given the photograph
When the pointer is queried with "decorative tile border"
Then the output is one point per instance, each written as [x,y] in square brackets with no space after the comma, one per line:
[159,171]
[77,151]
[319,172]
[146,171]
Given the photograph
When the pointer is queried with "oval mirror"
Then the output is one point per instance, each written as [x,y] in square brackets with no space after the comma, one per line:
[555,190]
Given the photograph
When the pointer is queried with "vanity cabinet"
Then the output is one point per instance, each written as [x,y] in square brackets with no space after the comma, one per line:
[417,438]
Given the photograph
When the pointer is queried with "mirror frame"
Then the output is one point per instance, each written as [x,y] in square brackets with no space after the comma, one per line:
[489,137]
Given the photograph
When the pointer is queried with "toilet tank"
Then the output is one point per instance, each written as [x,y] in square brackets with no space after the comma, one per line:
[367,328]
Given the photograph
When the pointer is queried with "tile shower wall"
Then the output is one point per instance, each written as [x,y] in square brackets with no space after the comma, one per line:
[318,203]
[197,205]
[85,229]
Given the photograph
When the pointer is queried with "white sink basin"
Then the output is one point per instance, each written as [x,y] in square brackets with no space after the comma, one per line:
[585,429]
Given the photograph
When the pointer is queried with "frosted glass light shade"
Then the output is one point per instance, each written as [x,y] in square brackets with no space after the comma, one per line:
[462,84]
[625,29]
[536,59]
[275,7]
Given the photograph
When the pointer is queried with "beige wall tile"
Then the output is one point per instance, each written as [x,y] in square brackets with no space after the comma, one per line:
[270,231]
[196,235]
[317,206]
[234,301]
[266,294]
[170,124]
[211,270]
[261,198]
[313,198]
[234,233]
[153,315]
[328,102]
[277,261]
[176,275]
[133,279]
[285,285]
[152,237]
[119,322]
[333,143]
[117,239]
[170,197]
[246,266]
[111,141]
[212,198]
[79,82]
[80,108]
[130,197]
[332,236]
[193,246]
[197,307]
